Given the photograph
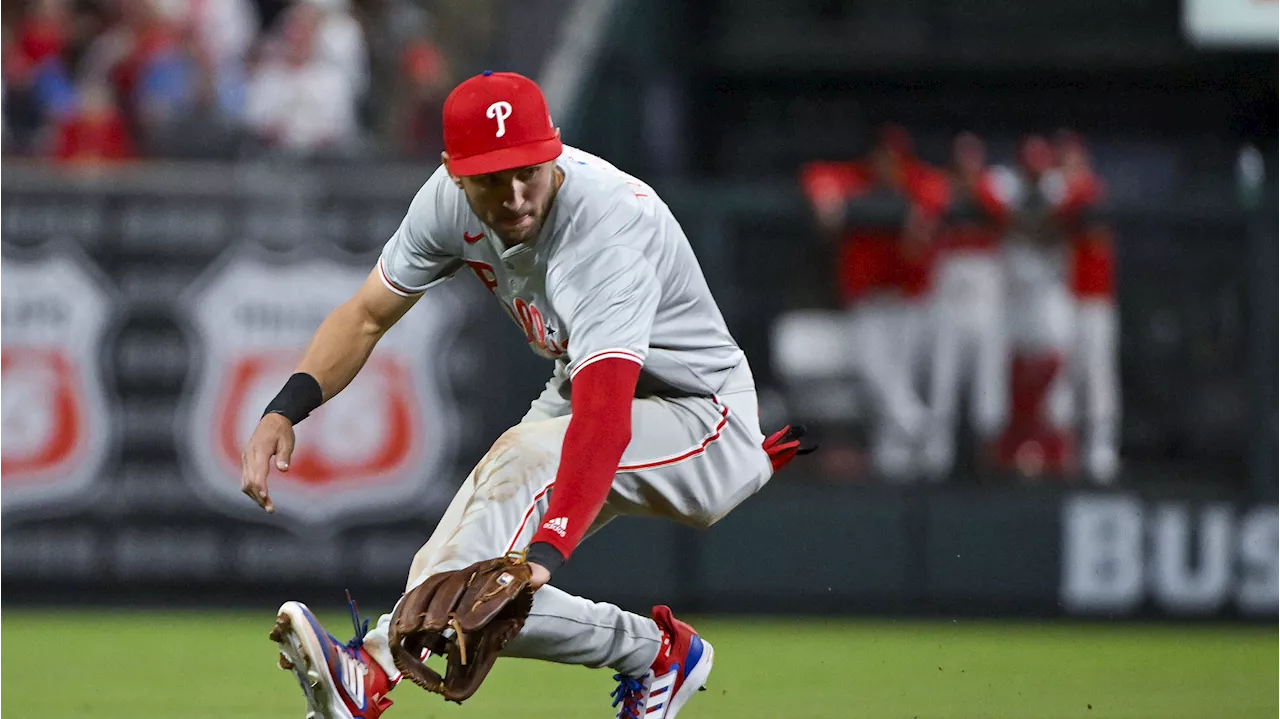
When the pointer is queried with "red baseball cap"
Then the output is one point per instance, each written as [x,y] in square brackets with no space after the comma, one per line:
[498,121]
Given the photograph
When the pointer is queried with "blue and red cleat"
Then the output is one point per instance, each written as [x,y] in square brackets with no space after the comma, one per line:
[681,669]
[339,681]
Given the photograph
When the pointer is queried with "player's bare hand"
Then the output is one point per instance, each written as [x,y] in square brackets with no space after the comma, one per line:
[539,575]
[273,439]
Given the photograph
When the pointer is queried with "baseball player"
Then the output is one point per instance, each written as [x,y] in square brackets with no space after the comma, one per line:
[1038,438]
[883,277]
[1094,363]
[970,344]
[651,409]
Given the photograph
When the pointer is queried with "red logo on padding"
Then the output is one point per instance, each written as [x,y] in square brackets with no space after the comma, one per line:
[368,430]
[42,415]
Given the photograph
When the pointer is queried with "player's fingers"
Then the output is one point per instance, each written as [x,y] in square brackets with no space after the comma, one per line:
[253,478]
[258,492]
[284,451]
[247,478]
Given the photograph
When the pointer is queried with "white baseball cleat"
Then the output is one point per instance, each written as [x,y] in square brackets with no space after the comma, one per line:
[339,681]
[679,671]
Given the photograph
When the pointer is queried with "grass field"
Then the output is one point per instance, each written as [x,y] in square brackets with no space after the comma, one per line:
[203,665]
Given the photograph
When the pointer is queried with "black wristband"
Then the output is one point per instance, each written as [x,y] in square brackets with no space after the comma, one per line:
[299,396]
[546,555]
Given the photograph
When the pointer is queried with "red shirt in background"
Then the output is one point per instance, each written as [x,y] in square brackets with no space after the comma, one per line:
[1093,265]
[983,233]
[1092,249]
[875,259]
[928,191]
[36,41]
[93,138]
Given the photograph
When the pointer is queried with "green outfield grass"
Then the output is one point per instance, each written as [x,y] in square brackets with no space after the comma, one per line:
[220,664]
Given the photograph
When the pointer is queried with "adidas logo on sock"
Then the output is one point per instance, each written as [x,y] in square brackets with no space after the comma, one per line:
[559,525]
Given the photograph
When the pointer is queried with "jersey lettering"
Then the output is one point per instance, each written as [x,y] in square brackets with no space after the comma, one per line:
[486,275]
[530,320]
[524,318]
[539,326]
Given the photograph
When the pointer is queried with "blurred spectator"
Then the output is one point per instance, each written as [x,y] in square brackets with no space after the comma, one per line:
[38,88]
[425,84]
[270,11]
[42,34]
[95,132]
[143,56]
[340,42]
[1038,439]
[970,344]
[1092,264]
[296,100]
[179,72]
[220,34]
[469,31]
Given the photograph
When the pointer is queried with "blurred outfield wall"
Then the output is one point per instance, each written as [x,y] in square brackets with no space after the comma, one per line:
[149,314]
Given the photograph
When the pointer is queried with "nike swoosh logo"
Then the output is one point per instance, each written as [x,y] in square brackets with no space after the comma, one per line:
[471,239]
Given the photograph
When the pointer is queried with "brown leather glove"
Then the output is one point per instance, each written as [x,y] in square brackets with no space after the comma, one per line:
[468,616]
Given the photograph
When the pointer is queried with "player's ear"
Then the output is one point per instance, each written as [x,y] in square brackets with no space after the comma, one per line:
[557,133]
[444,160]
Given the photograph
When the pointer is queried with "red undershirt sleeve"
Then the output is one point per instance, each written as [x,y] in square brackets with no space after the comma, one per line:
[599,432]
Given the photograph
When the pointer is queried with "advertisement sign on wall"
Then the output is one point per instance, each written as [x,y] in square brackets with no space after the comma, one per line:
[379,446]
[56,414]
[1189,559]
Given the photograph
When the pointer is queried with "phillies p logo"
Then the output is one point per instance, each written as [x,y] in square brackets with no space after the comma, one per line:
[499,111]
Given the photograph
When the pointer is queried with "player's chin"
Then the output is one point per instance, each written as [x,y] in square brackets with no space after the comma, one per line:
[521,232]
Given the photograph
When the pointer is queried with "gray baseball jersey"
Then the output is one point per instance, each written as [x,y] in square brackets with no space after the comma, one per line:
[611,275]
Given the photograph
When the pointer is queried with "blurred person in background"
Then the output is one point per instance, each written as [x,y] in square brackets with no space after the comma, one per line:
[884,264]
[190,98]
[95,132]
[297,101]
[1095,374]
[340,42]
[219,35]
[409,79]
[469,32]
[424,84]
[38,85]
[269,11]
[147,57]
[970,339]
[1038,439]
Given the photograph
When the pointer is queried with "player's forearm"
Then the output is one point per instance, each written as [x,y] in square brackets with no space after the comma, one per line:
[593,445]
[340,347]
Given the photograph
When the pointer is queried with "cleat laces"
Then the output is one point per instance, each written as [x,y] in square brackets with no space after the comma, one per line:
[629,694]
[361,629]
